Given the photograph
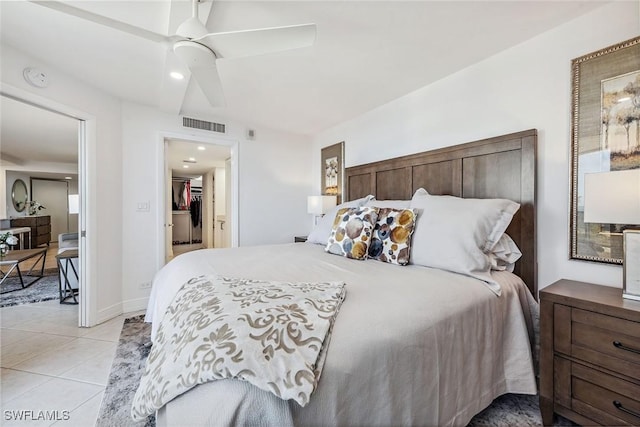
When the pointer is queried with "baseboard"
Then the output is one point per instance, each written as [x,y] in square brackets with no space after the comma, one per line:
[109,313]
[137,304]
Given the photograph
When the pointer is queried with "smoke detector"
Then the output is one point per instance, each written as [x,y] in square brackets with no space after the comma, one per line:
[35,77]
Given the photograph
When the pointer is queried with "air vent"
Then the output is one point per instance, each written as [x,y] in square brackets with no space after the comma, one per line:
[201,124]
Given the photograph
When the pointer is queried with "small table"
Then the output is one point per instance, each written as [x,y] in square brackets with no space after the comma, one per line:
[21,231]
[66,267]
[14,258]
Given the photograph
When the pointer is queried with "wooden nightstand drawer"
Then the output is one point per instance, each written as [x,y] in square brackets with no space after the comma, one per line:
[609,342]
[593,392]
[589,354]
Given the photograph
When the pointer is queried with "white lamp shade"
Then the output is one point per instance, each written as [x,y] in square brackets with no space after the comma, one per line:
[74,203]
[612,197]
[319,205]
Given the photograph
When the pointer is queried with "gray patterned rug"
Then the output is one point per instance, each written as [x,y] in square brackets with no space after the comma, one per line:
[126,371]
[44,289]
[506,411]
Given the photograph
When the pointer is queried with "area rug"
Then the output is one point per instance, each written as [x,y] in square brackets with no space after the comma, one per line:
[126,371]
[131,354]
[44,289]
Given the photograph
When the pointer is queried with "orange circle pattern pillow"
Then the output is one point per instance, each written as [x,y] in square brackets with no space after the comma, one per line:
[352,231]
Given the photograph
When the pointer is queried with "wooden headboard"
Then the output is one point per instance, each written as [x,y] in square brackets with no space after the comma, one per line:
[501,167]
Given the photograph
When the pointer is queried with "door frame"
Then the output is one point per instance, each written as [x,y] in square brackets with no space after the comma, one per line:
[162,220]
[87,183]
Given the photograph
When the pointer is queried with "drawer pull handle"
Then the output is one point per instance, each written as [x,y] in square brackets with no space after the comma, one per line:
[618,405]
[619,345]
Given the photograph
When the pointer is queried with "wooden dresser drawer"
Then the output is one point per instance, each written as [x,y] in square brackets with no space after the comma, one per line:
[43,229]
[40,228]
[43,220]
[606,399]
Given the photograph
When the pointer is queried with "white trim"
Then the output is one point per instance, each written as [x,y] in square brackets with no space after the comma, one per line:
[88,304]
[234,147]
[109,313]
[137,304]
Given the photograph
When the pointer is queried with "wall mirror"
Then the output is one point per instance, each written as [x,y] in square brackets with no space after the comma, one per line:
[19,195]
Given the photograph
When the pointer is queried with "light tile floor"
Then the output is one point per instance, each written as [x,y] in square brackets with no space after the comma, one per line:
[49,364]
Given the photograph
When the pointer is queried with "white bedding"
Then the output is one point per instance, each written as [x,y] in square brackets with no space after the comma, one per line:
[412,345]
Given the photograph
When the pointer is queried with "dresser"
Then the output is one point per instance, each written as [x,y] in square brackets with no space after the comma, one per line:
[589,354]
[40,228]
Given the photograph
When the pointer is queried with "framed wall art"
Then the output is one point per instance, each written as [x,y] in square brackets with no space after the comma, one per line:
[605,137]
[332,167]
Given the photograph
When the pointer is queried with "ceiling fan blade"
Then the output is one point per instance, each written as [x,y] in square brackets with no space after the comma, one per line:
[235,44]
[201,61]
[173,90]
[106,21]
[209,81]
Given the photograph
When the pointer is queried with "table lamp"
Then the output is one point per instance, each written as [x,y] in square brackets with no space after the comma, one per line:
[614,198]
[320,205]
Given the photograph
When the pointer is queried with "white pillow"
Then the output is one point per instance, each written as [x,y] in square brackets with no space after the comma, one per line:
[392,204]
[504,254]
[458,234]
[322,230]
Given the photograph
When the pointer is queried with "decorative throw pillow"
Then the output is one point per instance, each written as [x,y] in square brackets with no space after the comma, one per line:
[321,232]
[391,241]
[351,233]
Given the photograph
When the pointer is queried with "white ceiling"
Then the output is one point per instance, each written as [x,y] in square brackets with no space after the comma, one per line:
[366,53]
[205,160]
[30,134]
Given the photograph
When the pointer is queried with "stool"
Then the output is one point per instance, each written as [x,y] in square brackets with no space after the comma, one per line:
[68,294]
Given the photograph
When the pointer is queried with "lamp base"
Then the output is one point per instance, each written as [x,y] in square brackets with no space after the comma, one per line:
[631,264]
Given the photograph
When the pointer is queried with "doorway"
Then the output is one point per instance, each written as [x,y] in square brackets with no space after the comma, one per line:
[58,153]
[200,194]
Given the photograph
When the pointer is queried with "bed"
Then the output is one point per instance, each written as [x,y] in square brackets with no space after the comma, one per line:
[411,344]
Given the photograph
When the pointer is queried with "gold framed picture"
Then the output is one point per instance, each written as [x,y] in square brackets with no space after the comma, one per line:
[605,136]
[332,167]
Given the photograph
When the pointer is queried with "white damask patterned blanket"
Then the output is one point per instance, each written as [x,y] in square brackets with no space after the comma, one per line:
[271,334]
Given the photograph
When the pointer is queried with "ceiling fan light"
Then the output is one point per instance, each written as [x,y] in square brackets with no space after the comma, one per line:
[176,75]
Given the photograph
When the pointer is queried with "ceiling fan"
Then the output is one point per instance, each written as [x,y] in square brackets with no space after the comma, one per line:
[199,49]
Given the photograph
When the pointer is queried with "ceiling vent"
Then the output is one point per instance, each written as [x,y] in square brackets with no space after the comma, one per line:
[204,125]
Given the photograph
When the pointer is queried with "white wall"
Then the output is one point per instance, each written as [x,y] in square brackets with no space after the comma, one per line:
[528,86]
[274,180]
[104,172]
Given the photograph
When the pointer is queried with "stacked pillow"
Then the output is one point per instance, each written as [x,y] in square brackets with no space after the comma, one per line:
[458,234]
[465,236]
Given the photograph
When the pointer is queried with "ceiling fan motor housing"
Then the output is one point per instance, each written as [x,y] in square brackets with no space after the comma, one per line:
[194,54]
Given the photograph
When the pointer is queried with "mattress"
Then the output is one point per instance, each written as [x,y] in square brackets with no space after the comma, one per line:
[411,345]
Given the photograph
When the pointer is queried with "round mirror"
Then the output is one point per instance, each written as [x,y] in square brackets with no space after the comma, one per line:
[19,195]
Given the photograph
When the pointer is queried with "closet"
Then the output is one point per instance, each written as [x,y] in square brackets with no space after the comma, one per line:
[186,211]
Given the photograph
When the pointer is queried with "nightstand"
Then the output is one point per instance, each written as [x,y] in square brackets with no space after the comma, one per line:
[589,354]
[300,239]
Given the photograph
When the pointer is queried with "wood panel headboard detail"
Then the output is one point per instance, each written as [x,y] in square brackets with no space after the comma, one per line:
[500,167]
